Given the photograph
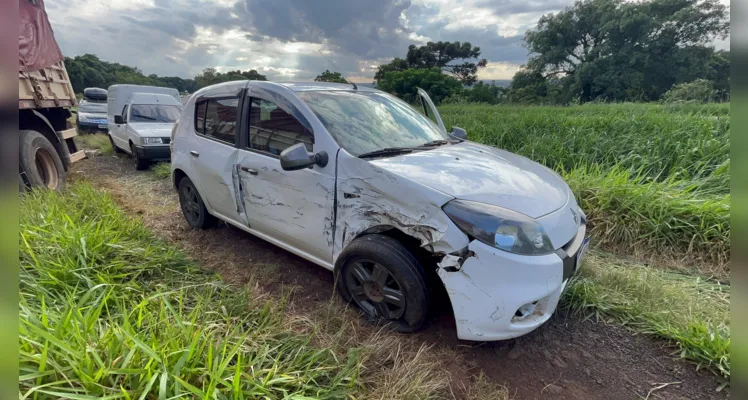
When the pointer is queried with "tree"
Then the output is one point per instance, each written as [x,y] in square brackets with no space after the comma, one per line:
[442,55]
[405,84]
[211,76]
[328,76]
[621,50]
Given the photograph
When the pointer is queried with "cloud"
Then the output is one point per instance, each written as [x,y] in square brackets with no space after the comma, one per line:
[282,38]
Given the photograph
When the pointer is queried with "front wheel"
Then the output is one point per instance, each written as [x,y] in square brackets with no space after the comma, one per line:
[193,207]
[140,163]
[385,280]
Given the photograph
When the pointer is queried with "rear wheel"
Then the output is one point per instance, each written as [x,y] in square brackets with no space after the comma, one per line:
[39,161]
[193,207]
[385,280]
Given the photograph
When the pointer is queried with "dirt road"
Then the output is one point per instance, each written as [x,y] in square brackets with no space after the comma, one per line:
[567,358]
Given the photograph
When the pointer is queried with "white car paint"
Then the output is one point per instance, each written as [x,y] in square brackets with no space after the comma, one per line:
[316,212]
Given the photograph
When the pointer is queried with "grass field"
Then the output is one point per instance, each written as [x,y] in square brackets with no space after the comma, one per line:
[107,310]
[653,179]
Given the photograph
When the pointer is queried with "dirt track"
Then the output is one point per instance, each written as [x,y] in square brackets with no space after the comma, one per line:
[567,358]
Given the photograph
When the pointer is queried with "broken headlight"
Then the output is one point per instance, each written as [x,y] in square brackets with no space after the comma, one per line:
[499,227]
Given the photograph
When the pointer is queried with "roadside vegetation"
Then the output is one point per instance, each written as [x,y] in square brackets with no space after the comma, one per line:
[95,141]
[162,170]
[691,312]
[653,179]
[107,310]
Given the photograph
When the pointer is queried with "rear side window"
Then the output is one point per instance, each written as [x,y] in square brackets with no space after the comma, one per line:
[216,119]
[273,130]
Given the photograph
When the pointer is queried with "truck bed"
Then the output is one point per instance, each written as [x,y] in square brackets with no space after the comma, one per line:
[45,88]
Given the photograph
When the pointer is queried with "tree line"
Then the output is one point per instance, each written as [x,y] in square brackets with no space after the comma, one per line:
[89,71]
[594,50]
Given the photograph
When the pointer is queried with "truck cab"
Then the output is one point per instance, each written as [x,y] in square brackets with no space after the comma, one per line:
[140,123]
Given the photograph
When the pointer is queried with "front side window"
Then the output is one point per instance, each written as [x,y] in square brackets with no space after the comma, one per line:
[273,130]
[154,113]
[361,122]
[216,118]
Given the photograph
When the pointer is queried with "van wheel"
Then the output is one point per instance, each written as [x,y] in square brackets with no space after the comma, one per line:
[39,161]
[116,149]
[140,164]
[385,280]
[193,207]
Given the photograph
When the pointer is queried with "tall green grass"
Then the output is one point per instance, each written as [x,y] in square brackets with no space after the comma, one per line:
[108,311]
[653,140]
[653,178]
[96,141]
[692,313]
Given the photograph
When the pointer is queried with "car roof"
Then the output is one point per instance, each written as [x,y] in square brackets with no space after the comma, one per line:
[310,86]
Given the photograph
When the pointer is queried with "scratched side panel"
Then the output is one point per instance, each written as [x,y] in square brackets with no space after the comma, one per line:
[369,196]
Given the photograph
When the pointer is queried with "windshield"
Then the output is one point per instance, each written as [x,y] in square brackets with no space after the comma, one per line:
[88,107]
[361,122]
[154,113]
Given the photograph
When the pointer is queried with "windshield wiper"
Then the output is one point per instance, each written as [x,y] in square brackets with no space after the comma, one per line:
[434,143]
[144,116]
[388,151]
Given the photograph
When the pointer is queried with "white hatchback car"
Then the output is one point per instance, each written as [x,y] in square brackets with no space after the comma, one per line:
[361,183]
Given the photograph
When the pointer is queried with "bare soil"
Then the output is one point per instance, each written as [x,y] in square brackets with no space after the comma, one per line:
[567,358]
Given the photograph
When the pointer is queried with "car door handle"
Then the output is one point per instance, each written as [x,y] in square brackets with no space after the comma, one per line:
[193,153]
[248,170]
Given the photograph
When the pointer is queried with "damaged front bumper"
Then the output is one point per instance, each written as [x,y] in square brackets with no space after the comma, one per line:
[498,295]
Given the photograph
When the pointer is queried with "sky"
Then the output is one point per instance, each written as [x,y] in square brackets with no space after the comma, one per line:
[282,39]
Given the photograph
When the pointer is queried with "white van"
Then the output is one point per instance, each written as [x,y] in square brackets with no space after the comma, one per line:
[140,119]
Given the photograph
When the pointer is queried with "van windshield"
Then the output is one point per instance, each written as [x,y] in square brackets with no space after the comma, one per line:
[362,122]
[154,113]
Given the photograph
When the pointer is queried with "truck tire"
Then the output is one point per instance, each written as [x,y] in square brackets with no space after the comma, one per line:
[39,161]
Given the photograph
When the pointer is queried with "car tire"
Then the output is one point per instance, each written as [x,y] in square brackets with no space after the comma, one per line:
[116,149]
[385,281]
[140,164]
[39,161]
[193,207]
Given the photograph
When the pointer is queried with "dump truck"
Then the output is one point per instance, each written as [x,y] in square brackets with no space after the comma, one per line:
[45,103]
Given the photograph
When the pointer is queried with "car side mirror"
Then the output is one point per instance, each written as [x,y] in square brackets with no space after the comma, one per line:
[459,133]
[296,157]
[118,120]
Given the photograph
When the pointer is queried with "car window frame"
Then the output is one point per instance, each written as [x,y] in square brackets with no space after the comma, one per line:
[239,107]
[125,112]
[245,134]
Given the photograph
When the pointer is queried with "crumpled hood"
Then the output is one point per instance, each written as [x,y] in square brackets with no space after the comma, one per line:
[470,171]
[152,129]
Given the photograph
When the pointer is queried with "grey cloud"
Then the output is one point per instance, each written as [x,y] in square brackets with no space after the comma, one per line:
[362,27]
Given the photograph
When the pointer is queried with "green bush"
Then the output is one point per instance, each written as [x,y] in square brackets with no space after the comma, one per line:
[700,91]
[405,84]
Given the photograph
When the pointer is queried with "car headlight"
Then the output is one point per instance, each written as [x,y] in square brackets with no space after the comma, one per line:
[152,140]
[499,227]
[82,117]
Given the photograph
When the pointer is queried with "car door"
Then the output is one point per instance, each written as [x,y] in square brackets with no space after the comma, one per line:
[292,207]
[119,131]
[429,109]
[213,154]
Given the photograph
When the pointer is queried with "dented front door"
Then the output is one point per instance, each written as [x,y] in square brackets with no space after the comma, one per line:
[293,207]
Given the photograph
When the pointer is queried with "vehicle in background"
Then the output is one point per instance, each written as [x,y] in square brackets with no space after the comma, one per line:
[140,120]
[45,99]
[359,182]
[92,116]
